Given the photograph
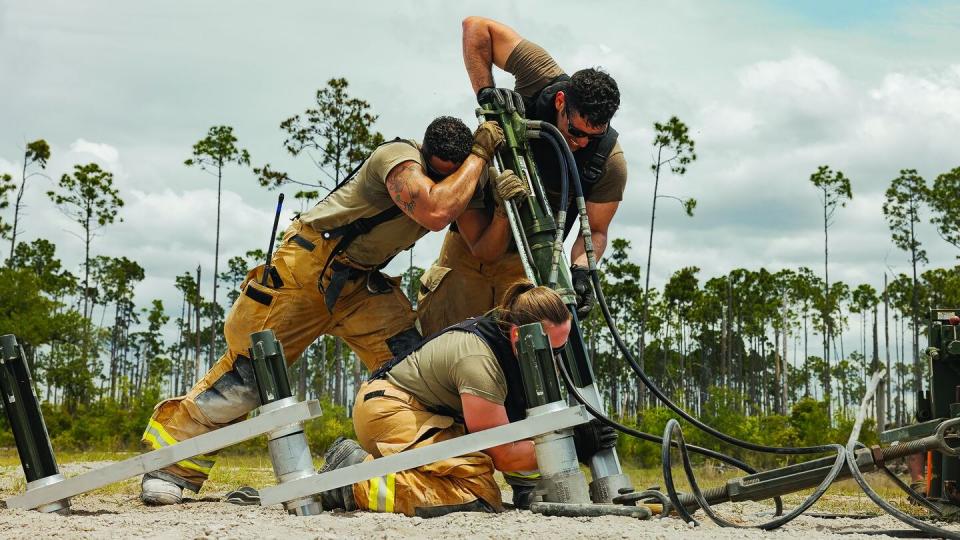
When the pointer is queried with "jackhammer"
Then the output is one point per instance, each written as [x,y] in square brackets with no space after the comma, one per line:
[538,238]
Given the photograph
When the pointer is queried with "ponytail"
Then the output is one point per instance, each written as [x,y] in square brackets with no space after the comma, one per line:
[526,303]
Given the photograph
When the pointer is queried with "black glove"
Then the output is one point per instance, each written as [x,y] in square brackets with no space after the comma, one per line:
[498,98]
[582,286]
[592,437]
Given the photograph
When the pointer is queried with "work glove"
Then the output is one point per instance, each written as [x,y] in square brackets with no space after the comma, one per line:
[489,97]
[592,437]
[507,186]
[582,286]
[486,139]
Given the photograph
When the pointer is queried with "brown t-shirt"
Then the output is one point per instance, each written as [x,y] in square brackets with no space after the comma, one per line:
[534,68]
[454,363]
[366,195]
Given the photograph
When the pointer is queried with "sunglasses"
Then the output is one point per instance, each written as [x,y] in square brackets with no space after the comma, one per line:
[578,133]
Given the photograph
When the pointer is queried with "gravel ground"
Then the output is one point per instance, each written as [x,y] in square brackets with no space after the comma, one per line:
[121,515]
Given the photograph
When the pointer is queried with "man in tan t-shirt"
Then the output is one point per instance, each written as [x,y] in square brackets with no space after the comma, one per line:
[324,279]
[477,255]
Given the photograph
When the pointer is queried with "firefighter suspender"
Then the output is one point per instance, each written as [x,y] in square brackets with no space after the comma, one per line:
[347,234]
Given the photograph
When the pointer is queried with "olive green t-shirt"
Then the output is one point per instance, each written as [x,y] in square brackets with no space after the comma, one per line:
[454,363]
[534,68]
[365,196]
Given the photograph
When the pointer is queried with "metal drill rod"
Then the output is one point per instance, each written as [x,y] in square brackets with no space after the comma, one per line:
[785,480]
[288,447]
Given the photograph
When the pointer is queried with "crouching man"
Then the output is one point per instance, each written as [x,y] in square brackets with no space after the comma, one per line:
[464,379]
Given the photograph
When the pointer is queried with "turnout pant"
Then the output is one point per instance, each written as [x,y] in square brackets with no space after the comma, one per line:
[458,286]
[388,420]
[376,325]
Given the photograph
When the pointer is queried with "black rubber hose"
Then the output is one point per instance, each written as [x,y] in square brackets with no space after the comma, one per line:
[889,508]
[673,427]
[578,190]
[606,420]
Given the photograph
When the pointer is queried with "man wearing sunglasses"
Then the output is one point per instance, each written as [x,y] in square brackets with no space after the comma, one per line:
[477,261]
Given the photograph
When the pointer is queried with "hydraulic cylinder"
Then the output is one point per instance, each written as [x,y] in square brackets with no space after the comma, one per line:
[26,421]
[562,481]
[289,451]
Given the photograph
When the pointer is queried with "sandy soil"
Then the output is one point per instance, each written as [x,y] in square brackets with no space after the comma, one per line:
[121,515]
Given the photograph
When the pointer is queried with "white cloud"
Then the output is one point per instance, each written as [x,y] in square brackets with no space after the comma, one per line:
[107,154]
[799,76]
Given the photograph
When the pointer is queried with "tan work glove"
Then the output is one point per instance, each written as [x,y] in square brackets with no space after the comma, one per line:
[486,139]
[507,186]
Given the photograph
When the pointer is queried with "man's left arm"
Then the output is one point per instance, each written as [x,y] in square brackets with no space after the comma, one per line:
[600,216]
[602,205]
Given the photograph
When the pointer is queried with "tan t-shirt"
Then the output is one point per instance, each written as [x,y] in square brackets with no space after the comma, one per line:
[365,196]
[534,68]
[454,363]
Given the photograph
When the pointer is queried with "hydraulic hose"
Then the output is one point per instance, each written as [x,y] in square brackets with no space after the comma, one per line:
[595,278]
[874,496]
[673,427]
[606,420]
[564,194]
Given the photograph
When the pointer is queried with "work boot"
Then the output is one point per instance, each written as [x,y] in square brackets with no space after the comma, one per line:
[342,453]
[158,492]
[524,486]
[523,496]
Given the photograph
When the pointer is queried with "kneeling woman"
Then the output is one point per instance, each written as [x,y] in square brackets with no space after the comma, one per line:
[465,378]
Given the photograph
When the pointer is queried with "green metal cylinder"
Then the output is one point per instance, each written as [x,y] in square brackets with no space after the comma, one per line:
[537,366]
[23,411]
[269,367]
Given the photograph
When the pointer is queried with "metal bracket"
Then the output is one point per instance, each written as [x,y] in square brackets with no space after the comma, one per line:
[911,432]
[418,457]
[164,457]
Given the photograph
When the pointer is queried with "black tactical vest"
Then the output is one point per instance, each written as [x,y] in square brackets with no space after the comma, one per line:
[590,159]
[487,329]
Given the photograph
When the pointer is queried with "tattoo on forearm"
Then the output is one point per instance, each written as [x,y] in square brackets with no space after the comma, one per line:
[403,187]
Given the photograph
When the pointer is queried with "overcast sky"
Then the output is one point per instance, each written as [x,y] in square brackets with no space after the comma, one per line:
[770,90]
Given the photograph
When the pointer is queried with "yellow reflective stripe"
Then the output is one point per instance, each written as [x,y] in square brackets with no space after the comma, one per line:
[160,435]
[159,438]
[150,438]
[372,497]
[535,474]
[194,466]
[391,484]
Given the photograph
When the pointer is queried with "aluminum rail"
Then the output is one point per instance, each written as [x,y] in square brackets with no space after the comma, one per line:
[157,459]
[418,457]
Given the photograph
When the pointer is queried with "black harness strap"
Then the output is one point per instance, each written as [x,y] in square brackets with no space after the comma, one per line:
[303,242]
[257,295]
[349,232]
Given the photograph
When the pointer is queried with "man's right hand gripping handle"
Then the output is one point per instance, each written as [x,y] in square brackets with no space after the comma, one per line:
[486,140]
